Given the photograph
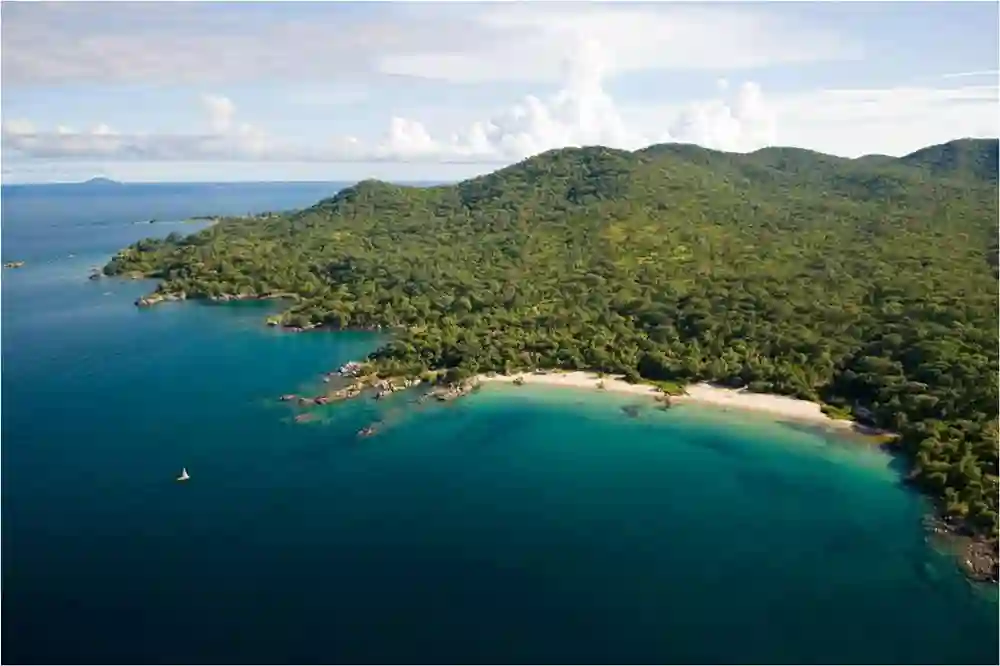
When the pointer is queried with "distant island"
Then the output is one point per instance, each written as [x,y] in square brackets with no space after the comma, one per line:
[868,286]
[100,182]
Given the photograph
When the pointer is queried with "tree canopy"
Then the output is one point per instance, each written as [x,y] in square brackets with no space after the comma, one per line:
[868,284]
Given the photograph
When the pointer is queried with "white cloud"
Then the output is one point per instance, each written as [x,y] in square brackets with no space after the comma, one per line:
[226,140]
[644,36]
[846,122]
[741,118]
[742,124]
[990,73]
[18,127]
[209,44]
[583,114]
[220,112]
[892,121]
[321,54]
[405,140]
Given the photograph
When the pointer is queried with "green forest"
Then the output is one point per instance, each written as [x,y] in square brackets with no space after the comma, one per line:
[868,284]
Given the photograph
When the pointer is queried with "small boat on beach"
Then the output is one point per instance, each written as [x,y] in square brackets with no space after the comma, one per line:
[184,475]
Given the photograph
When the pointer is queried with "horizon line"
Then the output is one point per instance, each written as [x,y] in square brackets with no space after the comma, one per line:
[498,165]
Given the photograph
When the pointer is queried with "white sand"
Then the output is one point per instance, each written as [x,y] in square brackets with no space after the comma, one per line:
[706,394]
[576,379]
[780,405]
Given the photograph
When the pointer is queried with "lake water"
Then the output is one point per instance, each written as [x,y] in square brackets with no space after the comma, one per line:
[516,526]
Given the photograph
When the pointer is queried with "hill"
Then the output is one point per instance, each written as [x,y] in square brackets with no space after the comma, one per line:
[867,284]
[99,182]
[965,158]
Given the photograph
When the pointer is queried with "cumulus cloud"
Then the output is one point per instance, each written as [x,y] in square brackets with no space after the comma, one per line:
[742,123]
[582,113]
[220,112]
[740,118]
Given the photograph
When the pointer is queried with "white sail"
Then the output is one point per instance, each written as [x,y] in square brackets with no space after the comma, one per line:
[184,475]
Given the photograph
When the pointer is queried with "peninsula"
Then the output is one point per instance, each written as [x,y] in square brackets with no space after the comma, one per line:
[866,285]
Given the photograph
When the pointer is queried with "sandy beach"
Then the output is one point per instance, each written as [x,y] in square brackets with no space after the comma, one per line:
[576,379]
[706,394]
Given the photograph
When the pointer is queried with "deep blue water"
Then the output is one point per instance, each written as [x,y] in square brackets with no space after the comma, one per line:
[514,526]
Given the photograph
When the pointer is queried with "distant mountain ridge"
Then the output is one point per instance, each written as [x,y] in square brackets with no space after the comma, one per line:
[974,159]
[955,164]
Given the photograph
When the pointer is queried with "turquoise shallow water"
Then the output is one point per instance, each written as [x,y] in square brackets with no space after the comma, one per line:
[518,525]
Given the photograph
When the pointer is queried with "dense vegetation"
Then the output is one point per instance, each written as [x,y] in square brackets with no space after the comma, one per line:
[868,284]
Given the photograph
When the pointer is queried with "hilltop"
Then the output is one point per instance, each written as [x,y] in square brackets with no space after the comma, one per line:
[970,158]
[867,284]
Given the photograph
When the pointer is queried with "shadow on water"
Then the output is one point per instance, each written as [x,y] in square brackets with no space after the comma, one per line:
[859,441]
[899,464]
[726,448]
[780,483]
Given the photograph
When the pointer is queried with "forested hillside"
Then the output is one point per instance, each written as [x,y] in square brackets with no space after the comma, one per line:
[869,284]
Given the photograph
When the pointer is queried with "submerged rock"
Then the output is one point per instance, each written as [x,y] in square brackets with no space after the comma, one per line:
[978,557]
[632,411]
[981,561]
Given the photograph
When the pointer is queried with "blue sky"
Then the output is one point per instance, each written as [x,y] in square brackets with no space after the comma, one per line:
[434,91]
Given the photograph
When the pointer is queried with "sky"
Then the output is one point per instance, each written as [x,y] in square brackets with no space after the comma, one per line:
[229,91]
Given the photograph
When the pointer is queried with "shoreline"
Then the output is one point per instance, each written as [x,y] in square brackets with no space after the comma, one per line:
[702,393]
[976,556]
[274,321]
[792,409]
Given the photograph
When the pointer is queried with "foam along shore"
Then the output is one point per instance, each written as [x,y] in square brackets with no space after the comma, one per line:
[703,393]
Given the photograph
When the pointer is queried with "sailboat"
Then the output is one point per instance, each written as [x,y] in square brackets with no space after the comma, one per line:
[184,475]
